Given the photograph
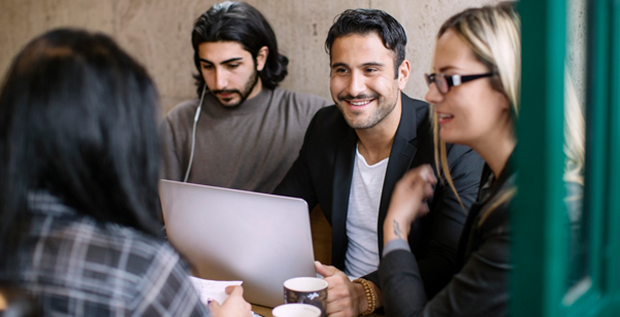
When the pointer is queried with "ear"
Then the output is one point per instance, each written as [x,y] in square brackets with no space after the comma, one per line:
[403,74]
[261,58]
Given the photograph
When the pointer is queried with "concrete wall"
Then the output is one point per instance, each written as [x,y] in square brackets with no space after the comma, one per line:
[157,33]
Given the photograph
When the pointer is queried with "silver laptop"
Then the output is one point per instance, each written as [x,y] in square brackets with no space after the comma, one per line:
[229,234]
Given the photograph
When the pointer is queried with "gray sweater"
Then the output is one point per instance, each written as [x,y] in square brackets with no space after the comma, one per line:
[249,147]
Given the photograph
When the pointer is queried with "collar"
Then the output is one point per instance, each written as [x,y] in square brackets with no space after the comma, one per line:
[408,113]
[490,185]
[43,202]
[257,104]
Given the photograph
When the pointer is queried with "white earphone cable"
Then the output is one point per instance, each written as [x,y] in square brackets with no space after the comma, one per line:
[193,148]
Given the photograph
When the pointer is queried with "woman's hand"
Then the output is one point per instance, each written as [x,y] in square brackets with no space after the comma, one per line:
[408,202]
[234,306]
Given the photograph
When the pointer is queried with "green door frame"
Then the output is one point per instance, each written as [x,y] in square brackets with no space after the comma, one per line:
[539,252]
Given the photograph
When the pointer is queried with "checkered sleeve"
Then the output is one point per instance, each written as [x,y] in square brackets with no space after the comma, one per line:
[76,266]
[166,289]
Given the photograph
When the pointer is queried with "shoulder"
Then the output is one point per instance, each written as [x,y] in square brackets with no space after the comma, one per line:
[183,111]
[326,130]
[302,101]
[464,155]
[141,245]
[415,118]
[146,256]
[329,119]
[415,106]
[141,251]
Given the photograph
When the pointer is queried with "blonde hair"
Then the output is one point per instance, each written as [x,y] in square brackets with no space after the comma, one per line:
[493,34]
[574,134]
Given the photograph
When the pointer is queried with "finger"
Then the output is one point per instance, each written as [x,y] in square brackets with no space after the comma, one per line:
[428,190]
[335,308]
[428,174]
[325,270]
[420,175]
[235,290]
[423,209]
[214,305]
[422,213]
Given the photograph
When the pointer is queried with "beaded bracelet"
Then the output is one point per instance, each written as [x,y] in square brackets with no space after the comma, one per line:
[370,296]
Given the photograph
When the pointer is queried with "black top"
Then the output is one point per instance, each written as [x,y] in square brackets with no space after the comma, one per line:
[323,171]
[480,287]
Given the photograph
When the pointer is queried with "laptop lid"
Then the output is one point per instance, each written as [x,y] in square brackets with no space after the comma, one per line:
[229,234]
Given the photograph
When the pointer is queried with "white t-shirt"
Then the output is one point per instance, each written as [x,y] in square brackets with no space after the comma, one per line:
[366,186]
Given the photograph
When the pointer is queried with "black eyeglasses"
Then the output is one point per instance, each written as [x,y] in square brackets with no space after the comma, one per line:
[444,82]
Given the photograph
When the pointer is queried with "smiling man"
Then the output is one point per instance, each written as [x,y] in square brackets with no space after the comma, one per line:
[241,132]
[355,151]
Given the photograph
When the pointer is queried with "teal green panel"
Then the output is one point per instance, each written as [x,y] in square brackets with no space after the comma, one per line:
[539,249]
[597,137]
[538,281]
[611,244]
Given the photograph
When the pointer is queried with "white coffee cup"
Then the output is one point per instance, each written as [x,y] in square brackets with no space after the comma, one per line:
[296,310]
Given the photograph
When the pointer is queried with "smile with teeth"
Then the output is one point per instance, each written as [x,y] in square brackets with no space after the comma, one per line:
[444,118]
[359,103]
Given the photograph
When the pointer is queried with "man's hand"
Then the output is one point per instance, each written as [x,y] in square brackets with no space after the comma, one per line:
[344,298]
[234,306]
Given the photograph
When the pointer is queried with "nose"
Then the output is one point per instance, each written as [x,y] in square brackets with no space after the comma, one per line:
[221,79]
[356,84]
[433,95]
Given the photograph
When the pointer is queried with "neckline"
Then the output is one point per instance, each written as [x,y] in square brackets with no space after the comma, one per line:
[258,103]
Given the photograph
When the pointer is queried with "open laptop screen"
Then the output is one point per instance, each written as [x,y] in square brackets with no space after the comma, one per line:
[229,234]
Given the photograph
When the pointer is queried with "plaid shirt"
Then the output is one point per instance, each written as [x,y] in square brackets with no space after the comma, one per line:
[77,266]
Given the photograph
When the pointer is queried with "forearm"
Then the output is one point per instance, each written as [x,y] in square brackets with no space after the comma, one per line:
[395,229]
[403,292]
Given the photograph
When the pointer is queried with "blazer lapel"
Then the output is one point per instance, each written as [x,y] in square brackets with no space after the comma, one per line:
[343,173]
[401,156]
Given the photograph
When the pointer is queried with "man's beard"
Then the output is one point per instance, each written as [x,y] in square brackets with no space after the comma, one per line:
[247,90]
[384,108]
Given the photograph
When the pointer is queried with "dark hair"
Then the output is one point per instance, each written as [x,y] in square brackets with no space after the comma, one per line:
[78,119]
[366,21]
[242,23]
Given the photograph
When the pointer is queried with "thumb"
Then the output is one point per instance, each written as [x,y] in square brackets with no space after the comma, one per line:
[214,305]
[325,270]
[234,290]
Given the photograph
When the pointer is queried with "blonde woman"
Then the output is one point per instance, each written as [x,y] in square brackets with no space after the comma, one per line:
[474,89]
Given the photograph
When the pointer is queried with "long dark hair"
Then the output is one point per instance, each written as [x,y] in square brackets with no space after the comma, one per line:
[77,118]
[368,21]
[242,23]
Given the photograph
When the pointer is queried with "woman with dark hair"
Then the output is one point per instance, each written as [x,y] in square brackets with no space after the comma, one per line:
[79,163]
[474,92]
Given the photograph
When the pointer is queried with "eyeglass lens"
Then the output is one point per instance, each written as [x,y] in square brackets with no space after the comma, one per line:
[440,81]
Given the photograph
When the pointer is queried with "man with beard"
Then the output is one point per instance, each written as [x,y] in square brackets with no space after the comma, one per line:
[242,132]
[355,152]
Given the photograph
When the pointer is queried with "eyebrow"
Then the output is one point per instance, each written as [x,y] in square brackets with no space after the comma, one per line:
[230,60]
[373,64]
[445,68]
[363,65]
[339,65]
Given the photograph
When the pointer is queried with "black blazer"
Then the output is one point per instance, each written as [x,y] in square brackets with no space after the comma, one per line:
[322,174]
[480,288]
